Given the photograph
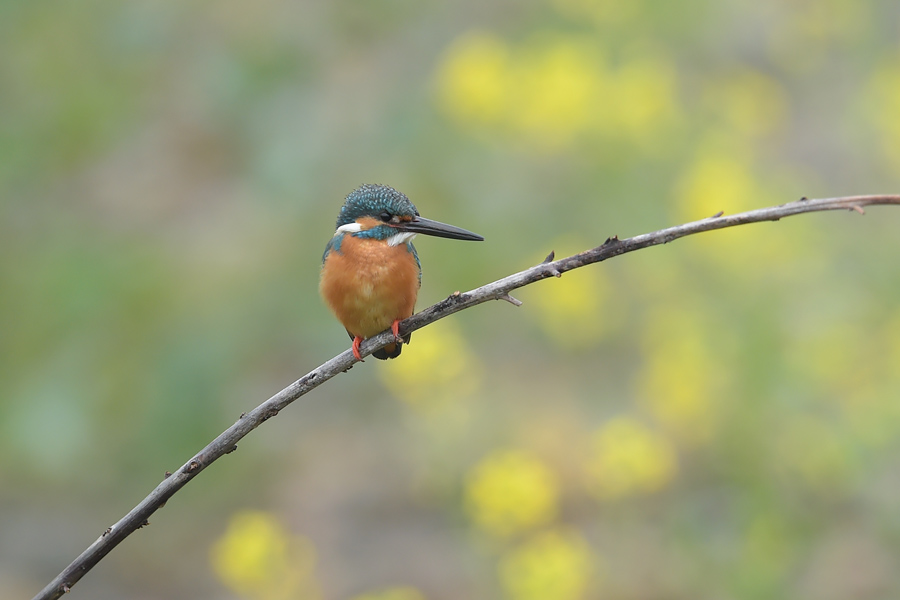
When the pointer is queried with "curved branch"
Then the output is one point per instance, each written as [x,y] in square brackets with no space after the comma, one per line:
[498,290]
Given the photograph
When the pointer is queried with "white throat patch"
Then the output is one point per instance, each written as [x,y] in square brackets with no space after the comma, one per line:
[349,228]
[400,238]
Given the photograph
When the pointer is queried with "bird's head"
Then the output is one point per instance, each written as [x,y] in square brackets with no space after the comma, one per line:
[381,212]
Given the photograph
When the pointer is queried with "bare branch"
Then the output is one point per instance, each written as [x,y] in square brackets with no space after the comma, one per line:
[498,290]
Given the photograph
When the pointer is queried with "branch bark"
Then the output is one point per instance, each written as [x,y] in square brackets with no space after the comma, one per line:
[498,290]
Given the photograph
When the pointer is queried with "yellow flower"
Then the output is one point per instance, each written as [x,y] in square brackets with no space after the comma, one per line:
[510,491]
[472,78]
[555,564]
[881,98]
[437,368]
[644,103]
[557,90]
[892,341]
[681,376]
[581,297]
[751,103]
[629,459]
[837,357]
[715,182]
[722,178]
[394,593]
[553,90]
[257,558]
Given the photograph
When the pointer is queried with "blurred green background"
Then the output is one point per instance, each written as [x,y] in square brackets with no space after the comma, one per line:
[717,418]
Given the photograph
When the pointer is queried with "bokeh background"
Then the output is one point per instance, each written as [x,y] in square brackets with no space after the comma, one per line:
[717,418]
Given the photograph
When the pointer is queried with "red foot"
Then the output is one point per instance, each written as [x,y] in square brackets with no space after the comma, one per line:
[355,348]
[395,328]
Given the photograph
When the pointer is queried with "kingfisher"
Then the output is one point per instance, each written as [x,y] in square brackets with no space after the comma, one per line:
[370,270]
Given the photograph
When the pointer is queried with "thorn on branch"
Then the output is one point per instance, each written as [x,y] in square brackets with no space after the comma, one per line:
[243,414]
[232,449]
[611,240]
[803,199]
[144,524]
[858,209]
[550,257]
[718,214]
[167,474]
[107,532]
[514,301]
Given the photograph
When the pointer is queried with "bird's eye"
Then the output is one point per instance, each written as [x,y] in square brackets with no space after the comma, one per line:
[385,216]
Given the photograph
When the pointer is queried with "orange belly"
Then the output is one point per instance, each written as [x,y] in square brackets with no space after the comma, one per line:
[368,284]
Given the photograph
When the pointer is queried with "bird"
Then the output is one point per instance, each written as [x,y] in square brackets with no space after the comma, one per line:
[371,272]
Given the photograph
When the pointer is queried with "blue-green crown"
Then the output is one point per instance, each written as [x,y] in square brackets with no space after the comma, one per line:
[372,200]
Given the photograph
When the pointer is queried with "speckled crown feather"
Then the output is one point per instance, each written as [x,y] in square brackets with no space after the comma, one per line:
[372,199]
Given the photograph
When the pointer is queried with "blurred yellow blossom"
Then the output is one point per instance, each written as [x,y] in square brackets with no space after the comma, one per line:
[472,79]
[716,181]
[552,90]
[643,103]
[629,459]
[257,558]
[721,178]
[681,376]
[555,564]
[835,357]
[881,99]
[437,367]
[557,90]
[750,102]
[394,593]
[892,343]
[577,309]
[510,491]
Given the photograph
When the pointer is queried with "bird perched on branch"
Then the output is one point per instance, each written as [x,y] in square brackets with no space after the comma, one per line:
[370,270]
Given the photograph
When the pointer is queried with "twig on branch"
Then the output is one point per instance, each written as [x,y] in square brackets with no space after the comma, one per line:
[498,290]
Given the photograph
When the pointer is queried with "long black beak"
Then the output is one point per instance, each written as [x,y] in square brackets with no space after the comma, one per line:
[429,227]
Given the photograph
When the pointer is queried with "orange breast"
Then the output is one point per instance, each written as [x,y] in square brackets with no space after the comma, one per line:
[368,284]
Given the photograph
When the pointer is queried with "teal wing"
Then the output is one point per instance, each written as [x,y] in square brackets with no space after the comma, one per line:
[335,244]
[412,249]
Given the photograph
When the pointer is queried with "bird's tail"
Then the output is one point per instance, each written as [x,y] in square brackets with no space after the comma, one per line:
[391,350]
